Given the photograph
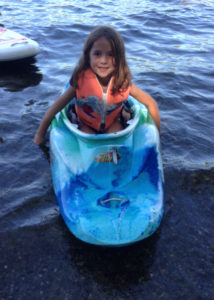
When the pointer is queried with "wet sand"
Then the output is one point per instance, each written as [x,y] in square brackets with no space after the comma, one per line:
[47,262]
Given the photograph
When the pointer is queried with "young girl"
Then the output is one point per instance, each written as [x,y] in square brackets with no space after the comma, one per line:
[101,82]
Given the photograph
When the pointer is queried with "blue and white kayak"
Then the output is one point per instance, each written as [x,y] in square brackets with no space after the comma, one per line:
[14,46]
[109,187]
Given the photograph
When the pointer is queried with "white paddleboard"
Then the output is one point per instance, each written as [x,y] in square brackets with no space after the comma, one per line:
[14,46]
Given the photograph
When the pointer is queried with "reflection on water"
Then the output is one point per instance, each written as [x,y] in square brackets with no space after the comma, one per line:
[18,75]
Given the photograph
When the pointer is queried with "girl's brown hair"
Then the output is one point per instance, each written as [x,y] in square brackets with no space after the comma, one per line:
[122,76]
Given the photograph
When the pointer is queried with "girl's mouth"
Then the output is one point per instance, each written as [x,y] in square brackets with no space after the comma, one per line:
[103,68]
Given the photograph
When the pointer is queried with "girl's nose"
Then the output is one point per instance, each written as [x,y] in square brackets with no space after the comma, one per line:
[104,58]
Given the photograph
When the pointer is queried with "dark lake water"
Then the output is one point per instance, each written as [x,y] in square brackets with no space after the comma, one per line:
[170,51]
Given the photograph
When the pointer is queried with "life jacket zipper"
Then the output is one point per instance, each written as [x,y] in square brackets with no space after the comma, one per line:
[105,100]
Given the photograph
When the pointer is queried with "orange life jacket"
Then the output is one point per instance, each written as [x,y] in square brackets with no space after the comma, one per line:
[95,108]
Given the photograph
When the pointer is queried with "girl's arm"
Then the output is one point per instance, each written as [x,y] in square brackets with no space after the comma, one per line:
[148,101]
[58,105]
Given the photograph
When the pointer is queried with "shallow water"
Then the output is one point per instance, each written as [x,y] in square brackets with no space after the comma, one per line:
[169,47]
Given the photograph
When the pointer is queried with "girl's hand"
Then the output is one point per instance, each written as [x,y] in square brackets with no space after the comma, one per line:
[38,140]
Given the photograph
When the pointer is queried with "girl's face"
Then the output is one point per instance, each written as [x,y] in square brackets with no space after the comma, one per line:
[101,58]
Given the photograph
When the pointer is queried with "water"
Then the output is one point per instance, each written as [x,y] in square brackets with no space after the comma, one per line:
[170,51]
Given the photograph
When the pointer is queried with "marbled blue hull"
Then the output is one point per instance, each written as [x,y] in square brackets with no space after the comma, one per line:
[109,186]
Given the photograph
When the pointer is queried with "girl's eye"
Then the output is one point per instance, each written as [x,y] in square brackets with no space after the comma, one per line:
[97,53]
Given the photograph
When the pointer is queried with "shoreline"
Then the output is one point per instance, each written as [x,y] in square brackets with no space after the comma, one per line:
[47,262]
